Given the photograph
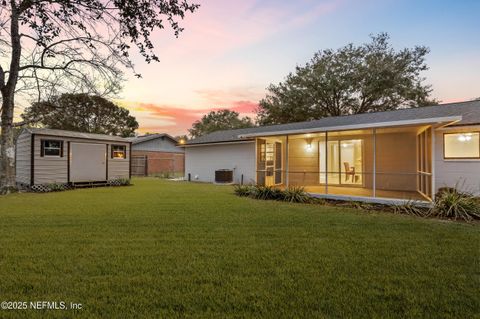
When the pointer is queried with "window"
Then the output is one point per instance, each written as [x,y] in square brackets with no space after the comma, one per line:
[462,145]
[119,151]
[263,153]
[51,148]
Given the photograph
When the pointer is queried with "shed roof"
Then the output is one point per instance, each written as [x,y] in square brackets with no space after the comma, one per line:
[149,137]
[72,134]
[465,113]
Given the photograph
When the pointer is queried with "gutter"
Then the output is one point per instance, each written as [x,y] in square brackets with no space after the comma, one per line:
[449,119]
[219,143]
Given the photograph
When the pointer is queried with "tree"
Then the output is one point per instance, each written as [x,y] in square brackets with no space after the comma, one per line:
[353,79]
[82,113]
[217,121]
[48,47]
[182,139]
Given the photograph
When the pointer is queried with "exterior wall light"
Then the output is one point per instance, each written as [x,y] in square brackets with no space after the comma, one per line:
[309,146]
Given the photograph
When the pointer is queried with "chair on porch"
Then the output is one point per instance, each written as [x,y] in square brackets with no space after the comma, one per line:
[349,171]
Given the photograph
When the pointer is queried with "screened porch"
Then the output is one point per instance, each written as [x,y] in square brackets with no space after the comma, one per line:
[384,163]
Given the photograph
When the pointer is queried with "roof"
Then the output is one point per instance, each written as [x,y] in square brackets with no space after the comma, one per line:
[63,133]
[149,137]
[462,113]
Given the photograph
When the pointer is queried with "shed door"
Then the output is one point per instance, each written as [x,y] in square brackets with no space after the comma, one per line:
[88,162]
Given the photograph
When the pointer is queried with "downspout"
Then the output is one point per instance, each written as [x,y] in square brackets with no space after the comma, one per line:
[32,160]
[326,162]
[374,162]
[256,161]
[432,164]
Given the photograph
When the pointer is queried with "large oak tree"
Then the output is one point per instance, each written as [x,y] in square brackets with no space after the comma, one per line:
[48,47]
[82,113]
[353,79]
[217,121]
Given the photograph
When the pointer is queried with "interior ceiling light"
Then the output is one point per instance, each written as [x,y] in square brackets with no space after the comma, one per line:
[465,137]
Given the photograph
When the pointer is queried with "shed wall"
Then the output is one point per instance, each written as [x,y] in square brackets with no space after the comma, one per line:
[23,160]
[55,169]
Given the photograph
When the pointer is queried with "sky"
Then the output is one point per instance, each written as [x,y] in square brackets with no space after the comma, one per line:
[230,51]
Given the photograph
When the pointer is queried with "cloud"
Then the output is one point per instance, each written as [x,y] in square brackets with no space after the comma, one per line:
[176,120]
[221,26]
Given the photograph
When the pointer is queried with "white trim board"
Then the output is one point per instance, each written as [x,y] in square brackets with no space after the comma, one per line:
[449,119]
[217,143]
[377,200]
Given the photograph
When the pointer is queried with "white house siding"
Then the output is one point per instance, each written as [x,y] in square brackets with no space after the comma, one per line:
[49,170]
[464,174]
[23,158]
[201,162]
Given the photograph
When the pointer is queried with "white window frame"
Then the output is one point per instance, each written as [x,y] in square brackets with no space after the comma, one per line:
[44,148]
[114,151]
[459,158]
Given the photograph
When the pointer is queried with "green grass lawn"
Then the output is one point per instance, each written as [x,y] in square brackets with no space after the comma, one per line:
[172,249]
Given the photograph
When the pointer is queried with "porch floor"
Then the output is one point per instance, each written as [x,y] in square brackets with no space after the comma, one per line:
[365,192]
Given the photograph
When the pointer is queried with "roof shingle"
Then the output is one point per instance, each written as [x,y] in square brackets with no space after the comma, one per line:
[63,133]
[469,111]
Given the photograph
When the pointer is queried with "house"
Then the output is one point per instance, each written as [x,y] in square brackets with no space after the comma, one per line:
[402,155]
[157,154]
[47,156]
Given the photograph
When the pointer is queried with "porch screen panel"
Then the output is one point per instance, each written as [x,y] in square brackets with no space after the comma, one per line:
[348,160]
[424,160]
[398,162]
[261,161]
[278,163]
[303,161]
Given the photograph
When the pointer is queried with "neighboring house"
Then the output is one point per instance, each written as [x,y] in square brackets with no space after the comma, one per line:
[157,154]
[47,156]
[405,154]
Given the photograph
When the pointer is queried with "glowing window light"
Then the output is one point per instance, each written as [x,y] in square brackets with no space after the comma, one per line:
[465,137]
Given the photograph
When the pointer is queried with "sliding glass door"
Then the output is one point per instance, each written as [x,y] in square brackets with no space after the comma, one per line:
[343,162]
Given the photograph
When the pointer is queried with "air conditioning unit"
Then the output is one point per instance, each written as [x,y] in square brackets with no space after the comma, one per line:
[224,176]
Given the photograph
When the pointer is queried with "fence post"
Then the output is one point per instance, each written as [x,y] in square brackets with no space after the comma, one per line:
[146,165]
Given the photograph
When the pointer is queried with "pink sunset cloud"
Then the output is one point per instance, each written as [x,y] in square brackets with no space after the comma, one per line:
[204,74]
[175,120]
[219,27]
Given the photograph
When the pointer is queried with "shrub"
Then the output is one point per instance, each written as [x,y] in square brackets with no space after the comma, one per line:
[56,187]
[451,203]
[266,192]
[244,190]
[166,175]
[411,208]
[291,194]
[295,194]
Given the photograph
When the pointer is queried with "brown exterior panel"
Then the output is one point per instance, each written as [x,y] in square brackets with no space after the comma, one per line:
[162,162]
